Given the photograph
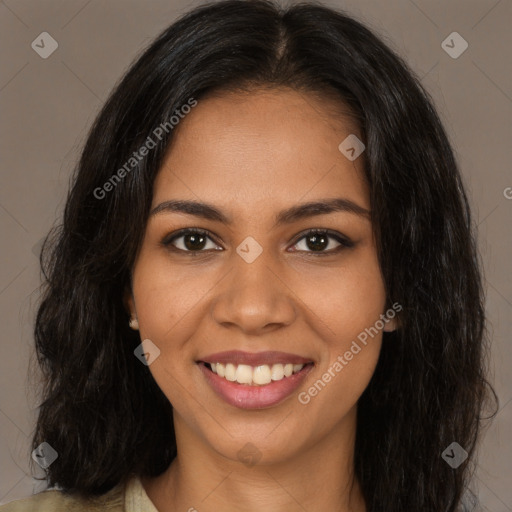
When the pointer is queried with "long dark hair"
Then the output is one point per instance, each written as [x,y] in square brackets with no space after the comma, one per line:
[101,409]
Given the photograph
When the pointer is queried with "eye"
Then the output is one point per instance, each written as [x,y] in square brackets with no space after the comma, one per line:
[314,241]
[190,240]
[318,240]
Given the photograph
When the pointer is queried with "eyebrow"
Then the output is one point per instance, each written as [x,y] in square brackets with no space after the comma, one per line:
[287,216]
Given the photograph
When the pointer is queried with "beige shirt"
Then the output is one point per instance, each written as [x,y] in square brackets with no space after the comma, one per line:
[129,498]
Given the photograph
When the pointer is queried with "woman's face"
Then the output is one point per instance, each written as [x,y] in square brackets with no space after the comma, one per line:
[256,290]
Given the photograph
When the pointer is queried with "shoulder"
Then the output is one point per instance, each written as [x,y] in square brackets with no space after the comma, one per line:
[58,501]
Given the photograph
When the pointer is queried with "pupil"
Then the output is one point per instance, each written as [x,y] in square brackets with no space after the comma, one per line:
[194,241]
[317,239]
[315,242]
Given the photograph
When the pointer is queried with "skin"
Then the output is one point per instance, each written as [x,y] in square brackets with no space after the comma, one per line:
[253,155]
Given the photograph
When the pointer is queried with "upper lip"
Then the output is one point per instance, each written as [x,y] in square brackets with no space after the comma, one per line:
[237,357]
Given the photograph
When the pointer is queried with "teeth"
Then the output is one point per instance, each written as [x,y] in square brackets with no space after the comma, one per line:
[262,375]
[257,376]
[277,372]
[243,374]
[230,372]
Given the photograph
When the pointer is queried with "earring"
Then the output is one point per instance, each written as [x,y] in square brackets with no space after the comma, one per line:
[134,323]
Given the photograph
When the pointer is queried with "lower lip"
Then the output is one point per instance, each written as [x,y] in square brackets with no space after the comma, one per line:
[254,397]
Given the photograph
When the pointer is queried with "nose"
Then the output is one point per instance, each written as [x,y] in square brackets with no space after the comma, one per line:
[254,297]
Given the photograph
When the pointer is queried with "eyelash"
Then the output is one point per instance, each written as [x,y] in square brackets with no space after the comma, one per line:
[342,240]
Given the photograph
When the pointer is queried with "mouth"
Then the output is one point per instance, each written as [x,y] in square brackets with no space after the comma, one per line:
[254,381]
[257,375]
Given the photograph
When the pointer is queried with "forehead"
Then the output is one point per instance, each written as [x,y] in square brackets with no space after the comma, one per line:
[280,144]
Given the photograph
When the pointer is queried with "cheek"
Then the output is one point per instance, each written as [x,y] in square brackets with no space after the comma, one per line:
[337,388]
[166,296]
[350,348]
[167,304]
[347,310]
[344,301]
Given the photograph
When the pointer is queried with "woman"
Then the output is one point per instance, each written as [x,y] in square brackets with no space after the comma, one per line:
[268,230]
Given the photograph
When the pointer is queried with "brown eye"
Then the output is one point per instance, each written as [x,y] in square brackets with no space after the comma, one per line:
[190,240]
[323,242]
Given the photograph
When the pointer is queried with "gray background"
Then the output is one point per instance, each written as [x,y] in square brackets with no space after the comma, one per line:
[47,106]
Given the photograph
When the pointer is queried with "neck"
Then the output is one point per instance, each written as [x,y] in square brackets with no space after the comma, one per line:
[321,477]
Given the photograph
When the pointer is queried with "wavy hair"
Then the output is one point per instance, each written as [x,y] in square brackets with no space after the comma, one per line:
[102,410]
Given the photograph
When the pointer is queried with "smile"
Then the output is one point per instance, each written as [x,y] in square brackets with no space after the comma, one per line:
[255,376]
[254,381]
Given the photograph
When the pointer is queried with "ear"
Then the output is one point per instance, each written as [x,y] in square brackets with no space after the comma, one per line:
[391,325]
[392,317]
